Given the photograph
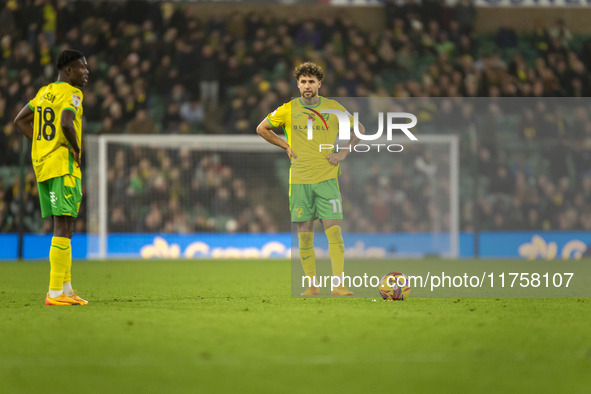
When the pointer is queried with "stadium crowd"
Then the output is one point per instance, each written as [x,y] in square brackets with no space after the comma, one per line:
[179,191]
[158,68]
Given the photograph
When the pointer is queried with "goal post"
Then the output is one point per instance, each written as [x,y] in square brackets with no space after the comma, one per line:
[144,186]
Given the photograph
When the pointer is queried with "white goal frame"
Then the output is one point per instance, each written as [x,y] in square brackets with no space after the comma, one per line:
[251,143]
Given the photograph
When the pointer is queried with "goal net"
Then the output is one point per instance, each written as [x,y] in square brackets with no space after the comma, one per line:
[142,186]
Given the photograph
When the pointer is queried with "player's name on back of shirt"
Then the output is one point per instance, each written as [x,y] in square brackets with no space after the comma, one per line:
[49,97]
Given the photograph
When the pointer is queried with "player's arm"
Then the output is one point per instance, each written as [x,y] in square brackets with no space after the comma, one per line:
[24,121]
[335,158]
[264,129]
[69,131]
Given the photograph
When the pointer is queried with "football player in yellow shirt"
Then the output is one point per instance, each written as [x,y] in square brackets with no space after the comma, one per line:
[313,186]
[53,121]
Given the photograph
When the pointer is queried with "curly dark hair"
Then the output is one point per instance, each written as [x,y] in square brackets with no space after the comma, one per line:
[67,57]
[308,69]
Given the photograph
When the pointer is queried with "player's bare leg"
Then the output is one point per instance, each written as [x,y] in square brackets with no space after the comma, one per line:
[307,255]
[336,251]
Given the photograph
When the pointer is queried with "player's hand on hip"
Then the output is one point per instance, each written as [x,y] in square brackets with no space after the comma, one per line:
[290,153]
[76,154]
[335,158]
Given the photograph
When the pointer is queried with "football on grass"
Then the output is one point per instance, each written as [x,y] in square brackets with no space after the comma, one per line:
[394,286]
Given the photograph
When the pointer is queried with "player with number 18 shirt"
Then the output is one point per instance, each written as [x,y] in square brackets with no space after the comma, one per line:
[53,122]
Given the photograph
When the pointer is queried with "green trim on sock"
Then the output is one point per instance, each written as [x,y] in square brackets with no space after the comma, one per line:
[54,246]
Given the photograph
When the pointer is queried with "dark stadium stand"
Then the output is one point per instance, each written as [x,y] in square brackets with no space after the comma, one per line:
[157,69]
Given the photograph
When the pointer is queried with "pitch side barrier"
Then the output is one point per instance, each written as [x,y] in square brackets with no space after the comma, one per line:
[524,245]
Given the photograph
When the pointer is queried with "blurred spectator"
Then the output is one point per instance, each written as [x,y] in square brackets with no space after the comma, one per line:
[192,111]
[486,165]
[92,110]
[119,222]
[171,122]
[466,15]
[529,126]
[560,31]
[141,124]
[153,221]
[540,37]
[558,158]
[502,181]
[209,84]
[585,54]
[308,36]
[506,36]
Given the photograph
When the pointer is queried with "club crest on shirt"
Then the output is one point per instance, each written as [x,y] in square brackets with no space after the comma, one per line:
[76,100]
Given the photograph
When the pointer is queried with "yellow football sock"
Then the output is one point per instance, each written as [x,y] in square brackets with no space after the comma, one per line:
[68,273]
[68,278]
[307,255]
[336,250]
[60,259]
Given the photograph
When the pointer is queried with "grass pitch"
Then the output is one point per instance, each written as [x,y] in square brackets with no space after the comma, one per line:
[231,326]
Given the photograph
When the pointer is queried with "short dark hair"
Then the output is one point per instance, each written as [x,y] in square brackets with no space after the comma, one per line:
[67,57]
[308,69]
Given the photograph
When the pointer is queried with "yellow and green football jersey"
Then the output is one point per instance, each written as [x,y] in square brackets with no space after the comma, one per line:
[50,158]
[311,165]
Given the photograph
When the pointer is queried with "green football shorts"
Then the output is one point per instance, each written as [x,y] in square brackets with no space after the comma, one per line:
[318,200]
[60,196]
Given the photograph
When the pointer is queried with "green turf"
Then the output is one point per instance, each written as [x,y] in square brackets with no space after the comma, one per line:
[231,326]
